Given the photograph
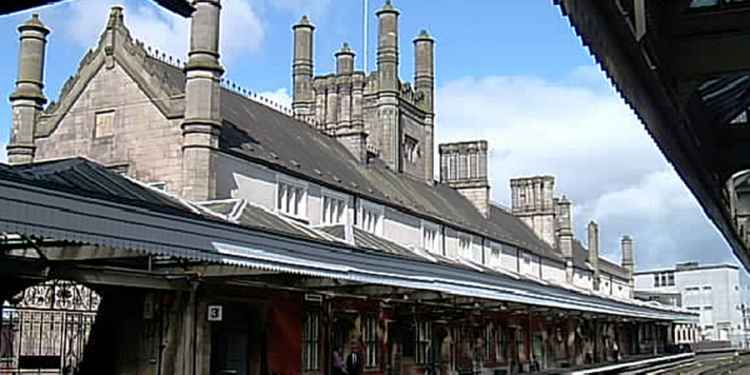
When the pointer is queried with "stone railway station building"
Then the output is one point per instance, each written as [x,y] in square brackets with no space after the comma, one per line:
[156,221]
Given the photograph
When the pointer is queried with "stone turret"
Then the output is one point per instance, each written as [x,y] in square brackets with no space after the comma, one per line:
[565,235]
[373,115]
[388,86]
[424,83]
[593,242]
[28,99]
[345,60]
[302,69]
[202,123]
[463,166]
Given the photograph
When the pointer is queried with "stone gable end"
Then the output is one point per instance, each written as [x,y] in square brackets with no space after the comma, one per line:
[141,141]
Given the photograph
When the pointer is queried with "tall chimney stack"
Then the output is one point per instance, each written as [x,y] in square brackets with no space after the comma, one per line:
[28,99]
[345,60]
[533,202]
[388,86]
[565,236]
[593,232]
[388,46]
[424,83]
[628,260]
[463,166]
[202,123]
[303,99]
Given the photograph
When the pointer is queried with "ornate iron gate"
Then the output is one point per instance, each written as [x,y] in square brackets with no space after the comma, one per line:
[45,328]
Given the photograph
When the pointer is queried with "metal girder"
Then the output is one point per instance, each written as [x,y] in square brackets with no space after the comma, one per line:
[215,271]
[708,56]
[86,252]
[109,276]
[734,143]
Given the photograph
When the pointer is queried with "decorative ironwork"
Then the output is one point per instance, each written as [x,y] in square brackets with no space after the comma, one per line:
[57,295]
[45,328]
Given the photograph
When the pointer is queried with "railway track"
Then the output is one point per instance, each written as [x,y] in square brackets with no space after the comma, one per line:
[709,365]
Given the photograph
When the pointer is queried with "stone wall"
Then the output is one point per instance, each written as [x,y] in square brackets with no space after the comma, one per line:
[142,138]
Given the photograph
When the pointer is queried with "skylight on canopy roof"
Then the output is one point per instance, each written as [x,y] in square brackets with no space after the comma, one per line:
[713,3]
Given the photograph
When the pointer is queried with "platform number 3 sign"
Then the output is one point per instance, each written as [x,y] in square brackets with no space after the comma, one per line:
[215,313]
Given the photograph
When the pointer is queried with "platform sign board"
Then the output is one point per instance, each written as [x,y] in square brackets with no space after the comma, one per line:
[215,313]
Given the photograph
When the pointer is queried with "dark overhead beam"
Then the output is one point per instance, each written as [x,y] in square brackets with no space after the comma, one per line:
[707,56]
[106,276]
[86,252]
[216,271]
[735,141]
[180,7]
[713,22]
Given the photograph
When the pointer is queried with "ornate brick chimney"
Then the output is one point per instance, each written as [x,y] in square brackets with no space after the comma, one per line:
[463,166]
[533,202]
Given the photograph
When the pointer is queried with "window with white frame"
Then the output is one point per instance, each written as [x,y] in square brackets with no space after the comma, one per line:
[371,217]
[311,342]
[464,246]
[334,209]
[430,238]
[291,198]
[424,338]
[526,263]
[370,338]
[496,255]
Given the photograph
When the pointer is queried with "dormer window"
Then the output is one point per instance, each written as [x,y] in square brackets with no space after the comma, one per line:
[464,246]
[291,198]
[430,240]
[334,209]
[371,217]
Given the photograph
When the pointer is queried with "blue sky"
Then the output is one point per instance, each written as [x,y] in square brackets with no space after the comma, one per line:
[511,72]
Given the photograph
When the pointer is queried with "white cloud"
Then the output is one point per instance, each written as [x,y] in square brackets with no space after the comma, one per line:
[3,152]
[280,96]
[241,29]
[580,131]
[313,8]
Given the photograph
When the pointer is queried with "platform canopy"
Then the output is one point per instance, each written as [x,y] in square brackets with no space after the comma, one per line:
[79,202]
[684,67]
[181,7]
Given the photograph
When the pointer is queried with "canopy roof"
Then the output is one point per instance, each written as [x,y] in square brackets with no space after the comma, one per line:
[54,208]
[684,67]
[181,7]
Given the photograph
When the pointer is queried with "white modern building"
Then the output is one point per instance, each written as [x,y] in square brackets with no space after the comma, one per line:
[719,293]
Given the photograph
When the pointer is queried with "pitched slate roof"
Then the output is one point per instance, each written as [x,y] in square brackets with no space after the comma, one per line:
[581,256]
[261,133]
